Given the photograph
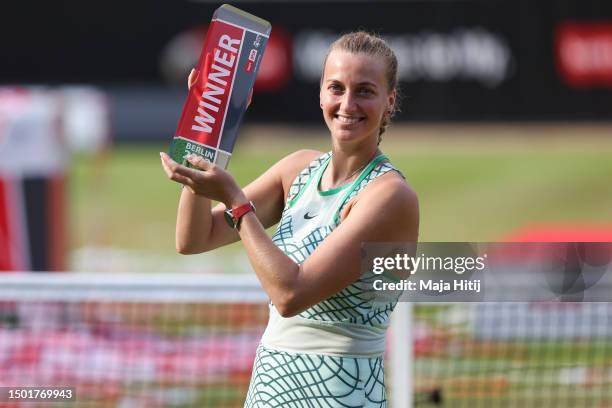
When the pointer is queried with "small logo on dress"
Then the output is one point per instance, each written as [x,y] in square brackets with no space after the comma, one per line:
[307,216]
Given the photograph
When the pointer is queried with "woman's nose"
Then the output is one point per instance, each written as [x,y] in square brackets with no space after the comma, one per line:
[348,102]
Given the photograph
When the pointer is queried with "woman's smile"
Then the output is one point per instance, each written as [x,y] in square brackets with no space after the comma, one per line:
[348,119]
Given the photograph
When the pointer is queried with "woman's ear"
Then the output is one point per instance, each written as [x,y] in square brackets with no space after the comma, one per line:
[391,101]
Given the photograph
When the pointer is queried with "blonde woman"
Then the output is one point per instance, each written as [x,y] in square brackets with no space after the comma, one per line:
[324,343]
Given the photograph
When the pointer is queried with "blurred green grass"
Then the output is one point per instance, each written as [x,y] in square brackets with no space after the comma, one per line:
[473,185]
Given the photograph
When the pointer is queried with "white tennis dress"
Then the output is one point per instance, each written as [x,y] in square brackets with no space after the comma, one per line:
[330,355]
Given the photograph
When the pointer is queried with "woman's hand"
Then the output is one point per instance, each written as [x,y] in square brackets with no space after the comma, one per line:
[193,77]
[206,179]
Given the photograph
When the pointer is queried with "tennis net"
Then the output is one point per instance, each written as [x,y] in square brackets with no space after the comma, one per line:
[132,341]
[538,354]
[190,341]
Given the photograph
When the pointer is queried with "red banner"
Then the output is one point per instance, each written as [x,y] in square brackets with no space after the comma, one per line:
[584,54]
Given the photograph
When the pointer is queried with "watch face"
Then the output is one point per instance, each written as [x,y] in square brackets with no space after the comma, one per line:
[229,218]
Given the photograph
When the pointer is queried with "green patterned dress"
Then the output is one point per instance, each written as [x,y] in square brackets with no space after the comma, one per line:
[330,355]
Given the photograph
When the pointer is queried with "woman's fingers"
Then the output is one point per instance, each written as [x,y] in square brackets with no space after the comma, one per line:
[193,77]
[198,161]
[181,179]
[181,170]
[167,163]
[177,172]
[205,178]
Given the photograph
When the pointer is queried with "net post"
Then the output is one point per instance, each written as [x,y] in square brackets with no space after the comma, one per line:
[401,356]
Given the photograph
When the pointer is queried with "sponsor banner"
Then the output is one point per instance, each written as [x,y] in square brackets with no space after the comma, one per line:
[584,54]
[476,60]
[467,53]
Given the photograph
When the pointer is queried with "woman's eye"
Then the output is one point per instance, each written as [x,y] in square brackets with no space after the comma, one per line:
[366,91]
[335,88]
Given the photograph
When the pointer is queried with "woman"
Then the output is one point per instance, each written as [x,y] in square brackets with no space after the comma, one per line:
[324,342]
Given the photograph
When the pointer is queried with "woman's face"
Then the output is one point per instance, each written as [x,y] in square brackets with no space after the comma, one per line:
[354,96]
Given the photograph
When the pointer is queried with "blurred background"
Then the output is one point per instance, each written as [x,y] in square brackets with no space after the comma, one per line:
[505,132]
[504,129]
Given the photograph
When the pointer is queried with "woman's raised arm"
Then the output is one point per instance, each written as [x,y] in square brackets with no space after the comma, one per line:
[201,228]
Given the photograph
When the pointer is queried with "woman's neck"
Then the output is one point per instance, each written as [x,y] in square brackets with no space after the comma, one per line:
[346,165]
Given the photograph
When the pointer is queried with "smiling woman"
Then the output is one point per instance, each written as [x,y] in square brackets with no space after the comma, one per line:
[326,336]
[371,84]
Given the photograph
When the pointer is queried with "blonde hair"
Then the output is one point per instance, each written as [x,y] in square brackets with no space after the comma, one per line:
[362,42]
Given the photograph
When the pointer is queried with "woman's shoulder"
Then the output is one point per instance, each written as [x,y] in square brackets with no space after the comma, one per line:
[391,204]
[287,169]
[393,189]
[292,164]
[302,157]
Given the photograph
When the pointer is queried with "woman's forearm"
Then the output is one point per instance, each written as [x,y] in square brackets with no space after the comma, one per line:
[193,223]
[277,272]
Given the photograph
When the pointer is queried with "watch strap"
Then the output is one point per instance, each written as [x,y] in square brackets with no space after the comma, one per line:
[235,214]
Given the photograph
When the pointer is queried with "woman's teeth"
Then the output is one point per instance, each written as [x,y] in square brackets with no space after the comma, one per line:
[346,120]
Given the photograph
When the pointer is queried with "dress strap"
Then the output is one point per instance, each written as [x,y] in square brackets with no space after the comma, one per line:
[356,186]
[305,177]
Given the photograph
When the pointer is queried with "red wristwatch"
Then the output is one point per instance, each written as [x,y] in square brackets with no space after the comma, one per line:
[233,215]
